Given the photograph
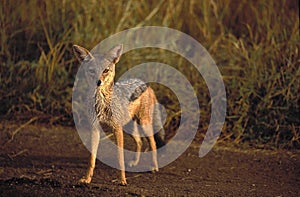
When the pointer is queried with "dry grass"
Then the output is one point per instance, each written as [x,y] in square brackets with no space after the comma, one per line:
[255,44]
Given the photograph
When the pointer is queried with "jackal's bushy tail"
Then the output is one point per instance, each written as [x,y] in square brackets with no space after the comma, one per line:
[158,126]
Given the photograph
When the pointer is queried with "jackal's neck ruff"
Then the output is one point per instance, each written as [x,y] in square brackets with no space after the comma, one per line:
[103,98]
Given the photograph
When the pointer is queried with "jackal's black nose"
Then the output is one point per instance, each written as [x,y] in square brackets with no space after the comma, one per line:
[98,83]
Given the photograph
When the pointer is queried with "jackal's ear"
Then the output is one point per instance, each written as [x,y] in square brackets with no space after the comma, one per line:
[114,54]
[81,53]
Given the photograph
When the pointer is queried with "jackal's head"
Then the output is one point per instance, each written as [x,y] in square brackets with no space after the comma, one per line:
[99,68]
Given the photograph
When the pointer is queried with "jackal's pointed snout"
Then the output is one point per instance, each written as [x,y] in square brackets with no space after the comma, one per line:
[98,83]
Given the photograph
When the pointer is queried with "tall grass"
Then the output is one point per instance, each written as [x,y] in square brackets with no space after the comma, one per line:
[254,43]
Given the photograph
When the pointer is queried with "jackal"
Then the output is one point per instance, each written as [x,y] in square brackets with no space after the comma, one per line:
[115,104]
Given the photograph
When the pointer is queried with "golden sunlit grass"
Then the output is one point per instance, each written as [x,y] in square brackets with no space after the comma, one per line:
[254,43]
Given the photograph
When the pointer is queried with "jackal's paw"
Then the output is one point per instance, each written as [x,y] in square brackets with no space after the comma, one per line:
[133,163]
[123,182]
[154,169]
[85,180]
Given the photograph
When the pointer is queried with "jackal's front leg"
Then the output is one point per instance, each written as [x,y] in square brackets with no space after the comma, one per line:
[95,137]
[120,143]
[138,141]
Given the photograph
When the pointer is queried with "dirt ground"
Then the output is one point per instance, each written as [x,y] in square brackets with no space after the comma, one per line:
[48,161]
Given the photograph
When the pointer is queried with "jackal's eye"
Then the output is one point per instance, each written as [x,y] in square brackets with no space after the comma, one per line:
[92,71]
[106,70]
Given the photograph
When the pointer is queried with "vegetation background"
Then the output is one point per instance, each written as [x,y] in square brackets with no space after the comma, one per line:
[255,44]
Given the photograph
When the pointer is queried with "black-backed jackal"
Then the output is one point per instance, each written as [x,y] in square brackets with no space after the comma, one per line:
[115,104]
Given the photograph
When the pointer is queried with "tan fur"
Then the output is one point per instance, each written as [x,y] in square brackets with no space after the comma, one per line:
[142,108]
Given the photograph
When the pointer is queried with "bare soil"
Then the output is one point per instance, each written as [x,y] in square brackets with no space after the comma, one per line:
[48,161]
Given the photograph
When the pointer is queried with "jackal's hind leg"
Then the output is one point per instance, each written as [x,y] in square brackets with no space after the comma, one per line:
[95,137]
[138,141]
[149,132]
